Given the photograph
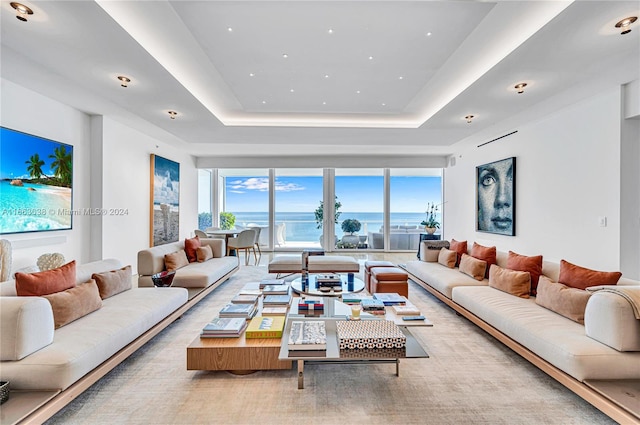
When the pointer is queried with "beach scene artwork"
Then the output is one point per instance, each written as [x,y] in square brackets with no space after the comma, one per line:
[165,202]
[36,177]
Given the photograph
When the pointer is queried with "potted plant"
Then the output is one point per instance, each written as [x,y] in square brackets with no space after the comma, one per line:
[227,220]
[430,223]
[350,227]
[319,216]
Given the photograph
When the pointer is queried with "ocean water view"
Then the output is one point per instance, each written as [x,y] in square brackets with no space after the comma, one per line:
[33,207]
[302,227]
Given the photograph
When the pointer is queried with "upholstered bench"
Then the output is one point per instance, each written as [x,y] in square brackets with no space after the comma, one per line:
[389,279]
[287,264]
[368,265]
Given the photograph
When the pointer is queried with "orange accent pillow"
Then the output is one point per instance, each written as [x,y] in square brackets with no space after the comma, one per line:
[485,253]
[47,282]
[510,281]
[460,247]
[204,253]
[522,263]
[473,267]
[447,258]
[113,282]
[175,260]
[74,303]
[190,247]
[582,278]
[564,300]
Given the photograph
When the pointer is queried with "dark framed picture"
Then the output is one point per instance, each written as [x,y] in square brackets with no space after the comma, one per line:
[496,197]
[165,200]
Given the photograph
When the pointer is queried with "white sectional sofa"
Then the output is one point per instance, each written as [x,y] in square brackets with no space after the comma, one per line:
[606,347]
[35,357]
[195,276]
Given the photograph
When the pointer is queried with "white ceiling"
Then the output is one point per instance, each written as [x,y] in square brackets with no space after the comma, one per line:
[220,64]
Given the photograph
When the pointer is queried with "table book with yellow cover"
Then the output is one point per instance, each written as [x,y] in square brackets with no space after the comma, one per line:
[265,327]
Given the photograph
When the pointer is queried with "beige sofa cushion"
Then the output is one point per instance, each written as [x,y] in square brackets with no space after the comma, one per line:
[609,319]
[176,260]
[74,303]
[204,253]
[510,281]
[473,267]
[113,282]
[447,258]
[564,300]
[26,327]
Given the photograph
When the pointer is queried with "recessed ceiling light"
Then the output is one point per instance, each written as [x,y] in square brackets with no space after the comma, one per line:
[22,11]
[324,103]
[330,31]
[292,90]
[401,78]
[264,102]
[428,34]
[230,29]
[623,24]
[326,75]
[358,91]
[520,87]
[124,81]
[469,118]
[384,104]
[172,114]
[251,74]
[284,55]
[370,58]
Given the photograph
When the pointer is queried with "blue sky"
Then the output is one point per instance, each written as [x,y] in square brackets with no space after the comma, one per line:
[16,148]
[356,193]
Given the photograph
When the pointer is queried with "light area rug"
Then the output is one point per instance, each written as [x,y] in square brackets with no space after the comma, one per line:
[470,378]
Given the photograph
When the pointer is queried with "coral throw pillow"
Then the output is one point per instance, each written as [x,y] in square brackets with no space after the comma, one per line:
[564,300]
[113,282]
[447,258]
[204,253]
[175,260]
[47,282]
[582,278]
[484,253]
[510,281]
[473,267]
[460,247]
[190,247]
[522,263]
[74,303]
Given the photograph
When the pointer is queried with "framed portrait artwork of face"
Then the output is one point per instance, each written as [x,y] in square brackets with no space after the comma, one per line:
[496,197]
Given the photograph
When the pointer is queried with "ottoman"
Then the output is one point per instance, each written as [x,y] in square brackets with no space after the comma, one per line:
[368,265]
[389,279]
[287,264]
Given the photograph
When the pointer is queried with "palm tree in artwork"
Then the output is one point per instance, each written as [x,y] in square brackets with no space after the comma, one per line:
[62,164]
[35,166]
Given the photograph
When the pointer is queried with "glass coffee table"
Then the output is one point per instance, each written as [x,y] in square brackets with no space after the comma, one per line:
[336,311]
[312,288]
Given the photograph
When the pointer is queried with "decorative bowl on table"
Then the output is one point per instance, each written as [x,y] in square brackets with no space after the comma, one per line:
[163,279]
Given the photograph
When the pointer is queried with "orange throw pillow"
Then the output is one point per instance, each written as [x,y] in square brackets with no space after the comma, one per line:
[47,282]
[190,247]
[484,253]
[510,281]
[460,247]
[522,263]
[582,278]
[473,267]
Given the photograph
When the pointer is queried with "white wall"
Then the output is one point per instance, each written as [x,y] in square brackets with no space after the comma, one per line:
[29,112]
[120,168]
[568,175]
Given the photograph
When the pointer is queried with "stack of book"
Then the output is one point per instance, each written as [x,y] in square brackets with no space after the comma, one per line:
[245,311]
[332,279]
[307,335]
[221,327]
[390,298]
[250,288]
[407,309]
[372,306]
[265,282]
[310,304]
[355,297]
[265,327]
[271,300]
[245,299]
[276,310]
[275,289]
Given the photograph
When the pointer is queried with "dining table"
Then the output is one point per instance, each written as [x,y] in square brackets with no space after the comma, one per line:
[227,233]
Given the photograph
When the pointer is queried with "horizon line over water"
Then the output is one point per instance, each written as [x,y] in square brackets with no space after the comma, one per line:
[302,226]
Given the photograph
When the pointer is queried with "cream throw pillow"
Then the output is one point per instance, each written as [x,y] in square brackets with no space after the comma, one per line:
[74,303]
[176,260]
[562,299]
[473,267]
[204,253]
[447,258]
[513,282]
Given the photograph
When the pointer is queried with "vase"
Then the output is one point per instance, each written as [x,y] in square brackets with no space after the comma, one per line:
[430,230]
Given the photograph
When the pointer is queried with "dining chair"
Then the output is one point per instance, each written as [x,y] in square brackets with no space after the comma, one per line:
[244,241]
[199,233]
[257,243]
